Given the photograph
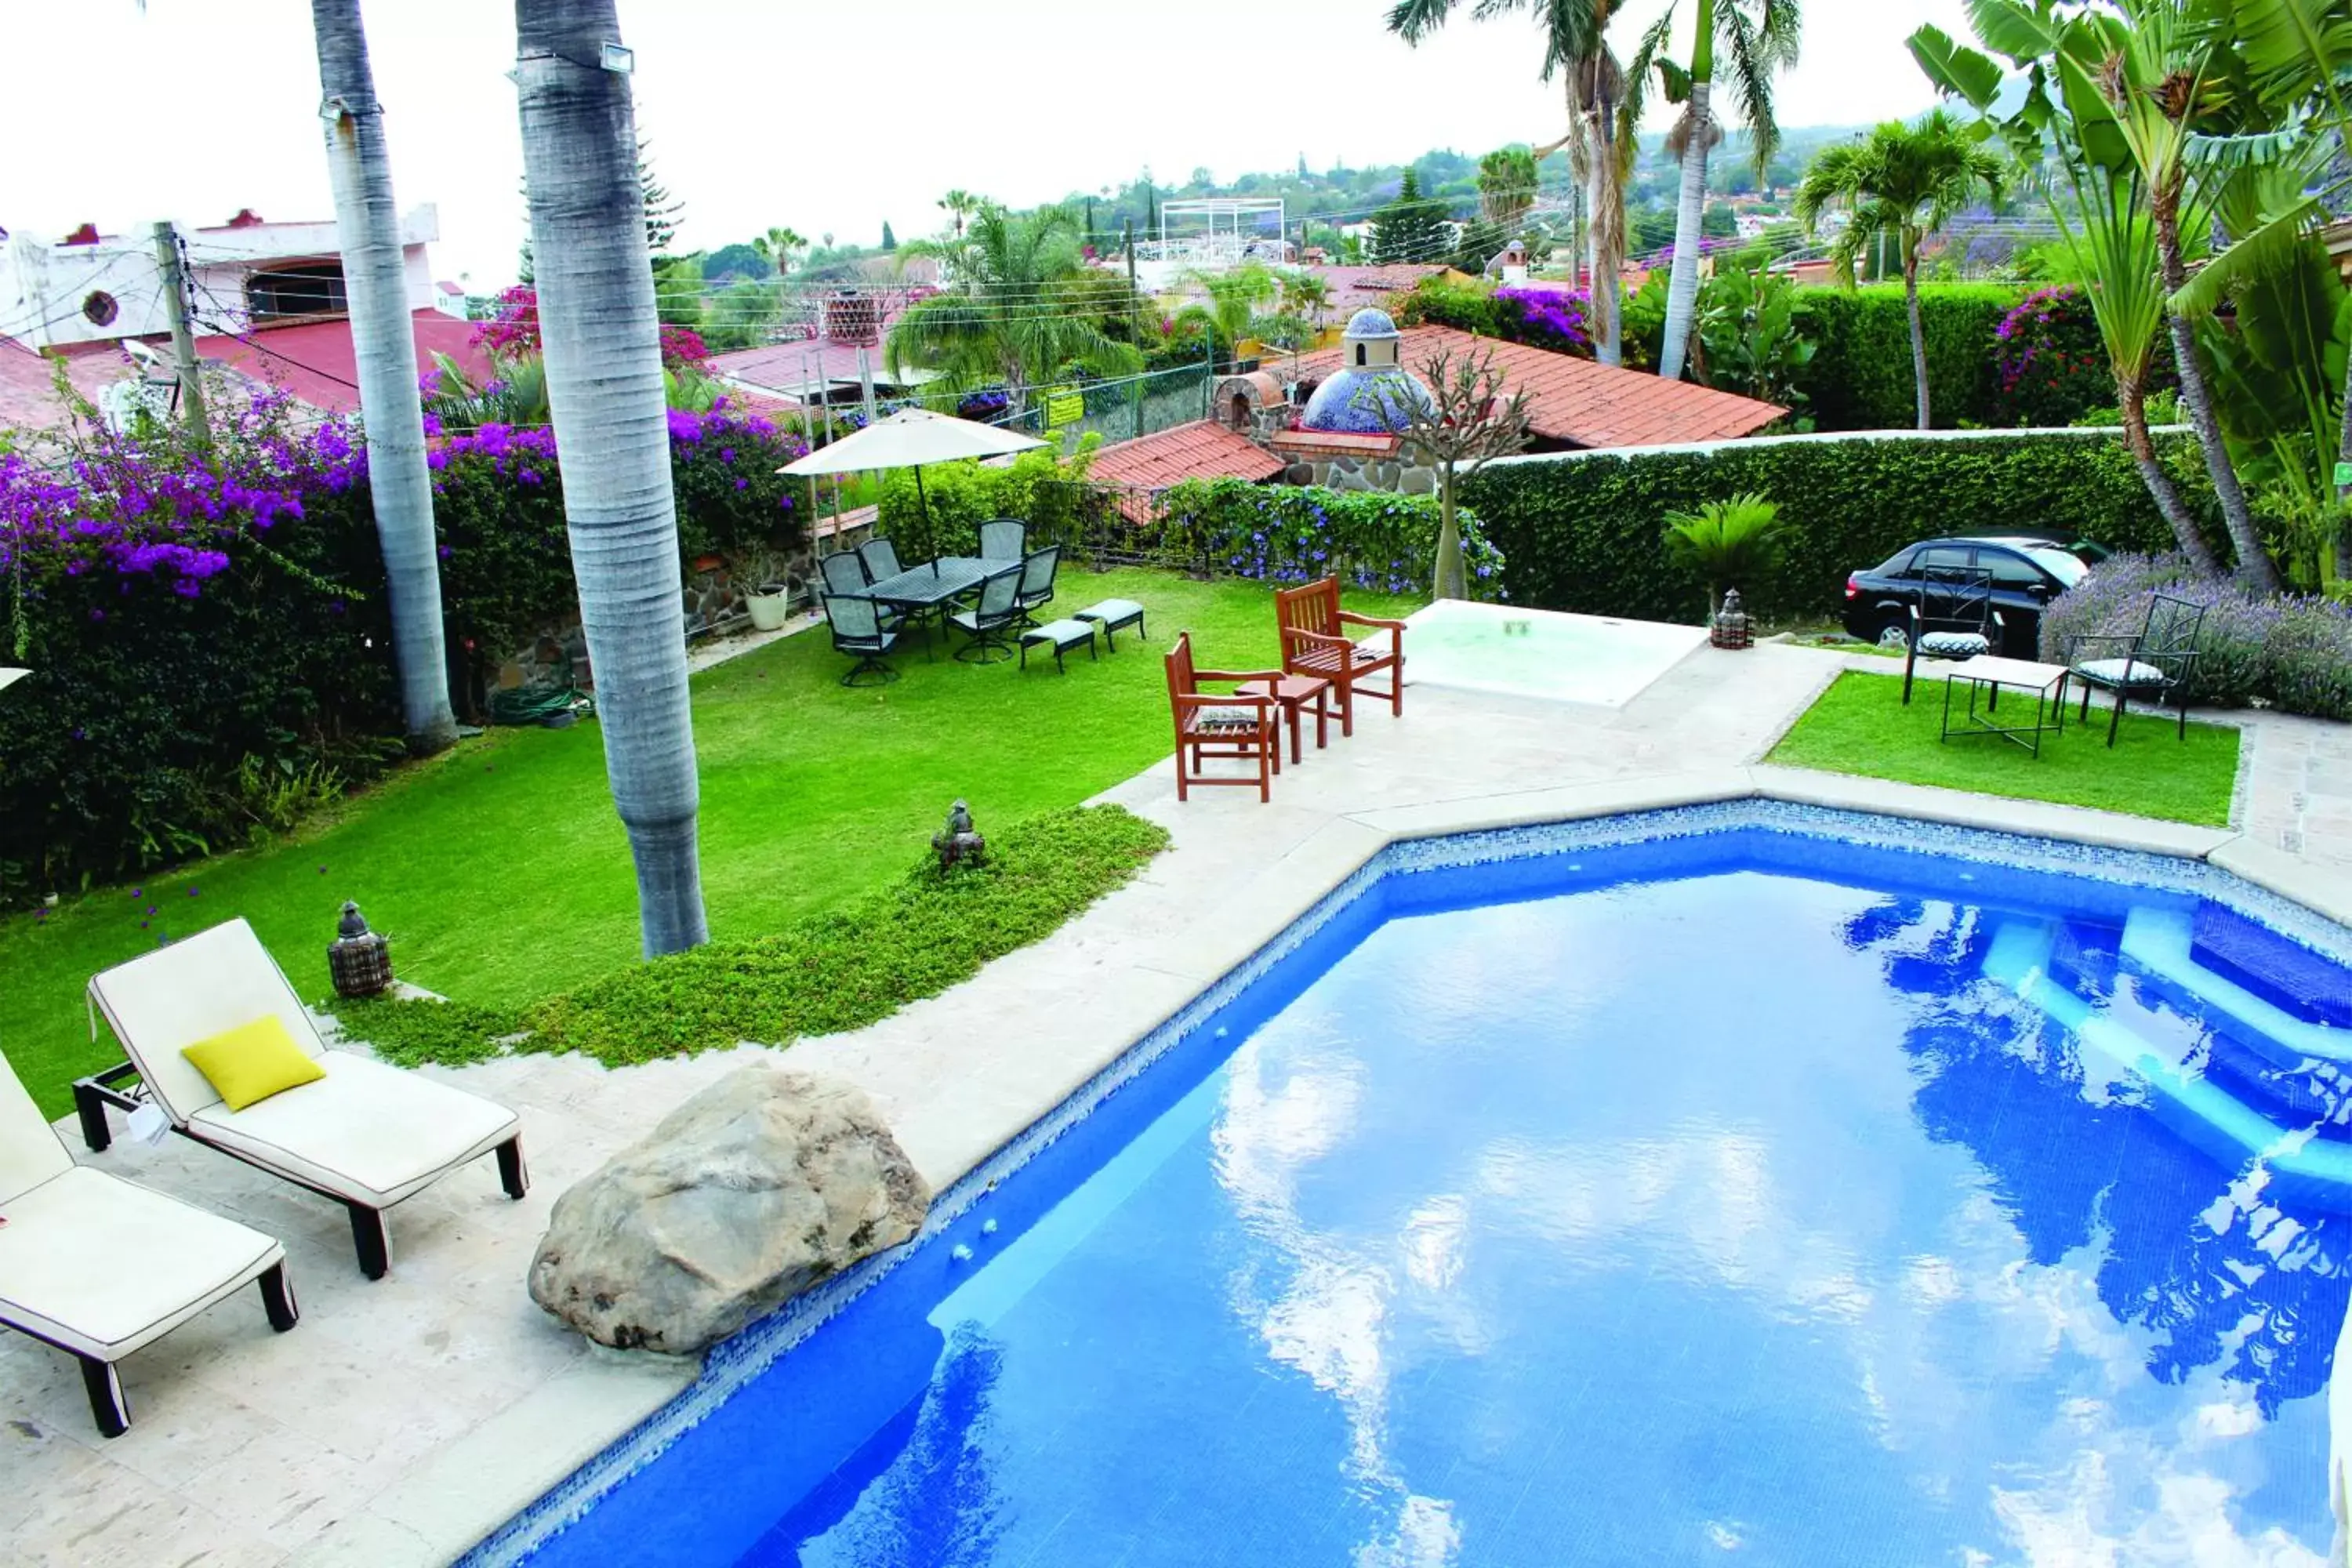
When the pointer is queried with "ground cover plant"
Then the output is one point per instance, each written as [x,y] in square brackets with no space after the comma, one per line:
[1860,725]
[500,874]
[821,973]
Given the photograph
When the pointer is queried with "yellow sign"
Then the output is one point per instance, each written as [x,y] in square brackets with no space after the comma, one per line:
[1064,405]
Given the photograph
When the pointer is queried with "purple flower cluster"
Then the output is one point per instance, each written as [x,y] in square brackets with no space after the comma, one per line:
[2291,651]
[1549,317]
[156,511]
[1288,535]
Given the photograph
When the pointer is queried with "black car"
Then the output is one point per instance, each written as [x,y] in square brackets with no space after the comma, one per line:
[2028,571]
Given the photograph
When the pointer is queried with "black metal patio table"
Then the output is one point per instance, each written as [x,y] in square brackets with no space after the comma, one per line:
[925,591]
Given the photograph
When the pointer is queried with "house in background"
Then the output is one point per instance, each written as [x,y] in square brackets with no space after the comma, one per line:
[268,302]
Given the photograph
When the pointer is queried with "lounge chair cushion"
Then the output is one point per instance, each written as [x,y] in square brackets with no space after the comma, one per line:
[1954,644]
[365,1131]
[101,1267]
[164,1000]
[2120,673]
[253,1061]
[1209,720]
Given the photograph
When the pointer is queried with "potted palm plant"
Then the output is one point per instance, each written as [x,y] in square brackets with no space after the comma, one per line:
[1726,545]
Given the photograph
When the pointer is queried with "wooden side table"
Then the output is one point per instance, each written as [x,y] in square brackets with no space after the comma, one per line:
[1294,693]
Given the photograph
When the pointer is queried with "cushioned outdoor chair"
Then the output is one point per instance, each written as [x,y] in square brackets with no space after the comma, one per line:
[996,612]
[98,1266]
[1315,641]
[2155,662]
[362,1132]
[1954,618]
[857,628]
[881,559]
[1209,724]
[1003,538]
[1037,572]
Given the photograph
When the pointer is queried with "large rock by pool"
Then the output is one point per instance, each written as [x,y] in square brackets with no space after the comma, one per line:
[754,1190]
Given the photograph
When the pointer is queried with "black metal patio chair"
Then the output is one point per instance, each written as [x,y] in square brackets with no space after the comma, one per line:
[880,558]
[2155,662]
[1953,618]
[844,573]
[1003,538]
[857,628]
[1037,572]
[996,612]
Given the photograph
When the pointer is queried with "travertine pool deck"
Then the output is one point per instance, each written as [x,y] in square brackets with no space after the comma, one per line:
[405,1419]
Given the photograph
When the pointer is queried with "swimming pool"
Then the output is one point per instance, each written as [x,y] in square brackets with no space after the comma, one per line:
[1737,1180]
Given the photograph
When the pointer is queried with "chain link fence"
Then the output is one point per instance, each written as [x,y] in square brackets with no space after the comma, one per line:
[1119,410]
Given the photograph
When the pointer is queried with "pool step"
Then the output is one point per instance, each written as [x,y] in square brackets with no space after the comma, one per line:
[2198,1108]
[2161,943]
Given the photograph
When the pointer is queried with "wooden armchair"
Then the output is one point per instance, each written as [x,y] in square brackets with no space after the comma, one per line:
[1315,641]
[1212,725]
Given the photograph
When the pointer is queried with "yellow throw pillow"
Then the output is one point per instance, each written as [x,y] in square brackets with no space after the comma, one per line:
[252,1062]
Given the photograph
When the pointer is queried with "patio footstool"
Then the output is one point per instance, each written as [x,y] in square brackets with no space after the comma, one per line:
[1113,614]
[1062,636]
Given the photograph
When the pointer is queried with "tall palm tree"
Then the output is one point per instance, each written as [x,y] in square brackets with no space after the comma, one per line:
[2112,241]
[780,247]
[959,204]
[1007,321]
[602,346]
[2151,67]
[1909,180]
[383,345]
[1756,38]
[1599,138]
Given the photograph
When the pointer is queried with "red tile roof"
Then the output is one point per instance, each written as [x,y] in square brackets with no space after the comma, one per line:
[1582,403]
[1355,288]
[28,399]
[315,359]
[1200,450]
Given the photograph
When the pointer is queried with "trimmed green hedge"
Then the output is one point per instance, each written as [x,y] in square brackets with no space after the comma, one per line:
[1860,378]
[1581,531]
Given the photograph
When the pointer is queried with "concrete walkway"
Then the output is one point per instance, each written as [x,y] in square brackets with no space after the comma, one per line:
[405,1419]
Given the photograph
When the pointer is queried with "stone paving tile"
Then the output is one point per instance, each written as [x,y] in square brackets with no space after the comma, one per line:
[319,1440]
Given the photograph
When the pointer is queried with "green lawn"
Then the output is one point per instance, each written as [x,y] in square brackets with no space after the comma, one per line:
[1860,726]
[500,871]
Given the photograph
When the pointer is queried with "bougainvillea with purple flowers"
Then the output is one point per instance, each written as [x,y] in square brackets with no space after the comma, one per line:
[2048,359]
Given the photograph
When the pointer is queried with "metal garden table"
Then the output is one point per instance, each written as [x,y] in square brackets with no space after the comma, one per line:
[924,592]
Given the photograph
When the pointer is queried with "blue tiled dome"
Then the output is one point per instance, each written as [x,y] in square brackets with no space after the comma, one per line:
[1371,323]
[1366,402]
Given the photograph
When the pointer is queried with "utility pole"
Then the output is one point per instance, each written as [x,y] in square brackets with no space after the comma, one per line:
[173,266]
[1127,227]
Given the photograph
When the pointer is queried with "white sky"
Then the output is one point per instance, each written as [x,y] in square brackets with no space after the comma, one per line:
[821,114]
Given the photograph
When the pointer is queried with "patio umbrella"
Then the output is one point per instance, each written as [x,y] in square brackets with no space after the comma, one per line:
[9,678]
[908,439]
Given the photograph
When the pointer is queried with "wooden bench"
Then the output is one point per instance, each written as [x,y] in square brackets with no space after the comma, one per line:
[1113,614]
[1061,637]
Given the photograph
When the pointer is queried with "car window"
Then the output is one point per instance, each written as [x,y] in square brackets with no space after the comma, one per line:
[2068,569]
[1895,565]
[2009,570]
[1942,558]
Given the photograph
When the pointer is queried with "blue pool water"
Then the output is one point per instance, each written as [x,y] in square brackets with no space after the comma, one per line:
[1748,1196]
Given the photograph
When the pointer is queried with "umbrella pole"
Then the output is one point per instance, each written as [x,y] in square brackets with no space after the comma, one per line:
[923,505]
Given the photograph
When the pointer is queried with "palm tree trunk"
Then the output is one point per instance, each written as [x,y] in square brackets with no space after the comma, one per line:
[2344,492]
[1682,291]
[602,344]
[367,227]
[1919,331]
[1452,578]
[2253,561]
[1608,246]
[2186,532]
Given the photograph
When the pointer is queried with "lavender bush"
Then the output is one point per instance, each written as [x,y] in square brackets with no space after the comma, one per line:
[2290,652]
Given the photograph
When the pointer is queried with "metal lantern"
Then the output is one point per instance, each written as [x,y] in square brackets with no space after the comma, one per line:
[1730,628]
[360,960]
[959,843]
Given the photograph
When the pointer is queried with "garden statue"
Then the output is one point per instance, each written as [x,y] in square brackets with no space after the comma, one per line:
[1731,628]
[958,842]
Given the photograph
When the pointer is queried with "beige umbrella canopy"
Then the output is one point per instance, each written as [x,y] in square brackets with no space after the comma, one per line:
[908,439]
[9,678]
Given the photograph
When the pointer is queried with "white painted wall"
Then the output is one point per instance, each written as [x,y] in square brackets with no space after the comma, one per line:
[43,284]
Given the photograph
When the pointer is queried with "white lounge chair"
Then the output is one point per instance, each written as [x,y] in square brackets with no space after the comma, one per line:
[98,1266]
[367,1134]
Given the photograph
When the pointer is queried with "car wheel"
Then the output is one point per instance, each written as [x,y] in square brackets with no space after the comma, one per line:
[1892,635]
